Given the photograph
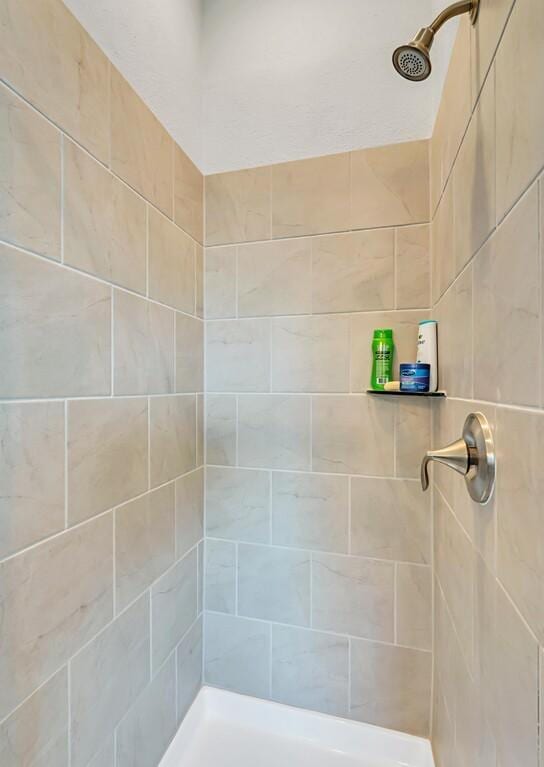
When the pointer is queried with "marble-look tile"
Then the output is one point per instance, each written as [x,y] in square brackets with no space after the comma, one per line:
[413,267]
[36,734]
[141,149]
[274,584]
[237,654]
[275,278]
[173,607]
[149,726]
[220,288]
[107,454]
[31,473]
[310,670]
[221,429]
[391,686]
[47,57]
[200,435]
[143,338]
[354,272]
[189,354]
[352,435]
[474,740]
[189,510]
[454,316]
[310,511]
[199,280]
[405,329]
[55,335]
[172,438]
[302,351]
[492,17]
[104,222]
[390,519]
[520,485]
[201,556]
[390,185]
[238,206]
[443,730]
[189,667]
[188,195]
[353,596]
[443,256]
[238,355]
[520,118]
[311,196]
[412,435]
[220,576]
[171,264]
[507,309]
[474,180]
[105,756]
[30,181]
[414,606]
[46,619]
[106,678]
[238,504]
[144,543]
[274,431]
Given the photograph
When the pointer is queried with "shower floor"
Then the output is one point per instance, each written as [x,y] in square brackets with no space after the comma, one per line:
[223,729]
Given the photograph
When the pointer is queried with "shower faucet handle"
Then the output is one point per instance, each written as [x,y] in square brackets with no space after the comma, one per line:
[473,456]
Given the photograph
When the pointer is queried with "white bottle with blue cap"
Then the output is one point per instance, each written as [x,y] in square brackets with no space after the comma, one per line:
[427,349]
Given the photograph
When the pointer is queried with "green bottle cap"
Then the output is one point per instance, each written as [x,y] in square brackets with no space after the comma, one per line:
[381,333]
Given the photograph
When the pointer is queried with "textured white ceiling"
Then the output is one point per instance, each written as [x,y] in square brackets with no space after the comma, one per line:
[240,83]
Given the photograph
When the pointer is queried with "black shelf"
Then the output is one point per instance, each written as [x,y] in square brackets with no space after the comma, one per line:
[381,393]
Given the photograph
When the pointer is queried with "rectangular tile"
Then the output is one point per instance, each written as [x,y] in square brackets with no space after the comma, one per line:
[414,606]
[238,206]
[413,267]
[55,338]
[189,354]
[172,423]
[171,264]
[220,288]
[454,316]
[188,195]
[31,473]
[492,17]
[199,280]
[221,429]
[143,346]
[238,355]
[444,261]
[238,504]
[220,576]
[189,667]
[141,149]
[412,435]
[107,454]
[46,620]
[189,510]
[106,678]
[30,181]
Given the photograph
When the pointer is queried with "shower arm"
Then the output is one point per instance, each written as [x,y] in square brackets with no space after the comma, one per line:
[457,9]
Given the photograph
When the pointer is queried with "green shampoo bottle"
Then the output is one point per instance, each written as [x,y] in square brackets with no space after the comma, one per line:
[382,358]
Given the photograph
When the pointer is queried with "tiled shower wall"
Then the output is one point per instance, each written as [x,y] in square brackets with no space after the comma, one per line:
[100,407]
[318,580]
[487,154]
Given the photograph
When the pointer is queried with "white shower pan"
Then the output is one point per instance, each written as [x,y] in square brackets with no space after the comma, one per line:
[223,729]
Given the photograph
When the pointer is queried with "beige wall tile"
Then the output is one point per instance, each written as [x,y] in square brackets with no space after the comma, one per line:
[31,473]
[171,264]
[200,429]
[199,280]
[220,576]
[238,504]
[413,267]
[189,667]
[454,316]
[106,678]
[54,330]
[412,435]
[274,431]
[141,149]
[143,346]
[189,354]
[520,118]
[303,350]
[46,619]
[492,18]
[221,429]
[172,423]
[391,686]
[37,733]
[354,272]
[275,278]
[507,309]
[390,185]
[47,56]
[311,196]
[390,519]
[353,596]
[29,177]
[188,195]
[238,355]
[414,606]
[238,206]
[310,511]
[442,241]
[104,222]
[107,454]
[352,435]
[220,286]
[189,510]
[144,542]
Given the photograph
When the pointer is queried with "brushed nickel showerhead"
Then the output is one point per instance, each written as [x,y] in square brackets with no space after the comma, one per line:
[413,61]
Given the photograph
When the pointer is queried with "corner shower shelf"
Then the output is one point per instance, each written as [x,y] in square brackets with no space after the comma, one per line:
[406,393]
